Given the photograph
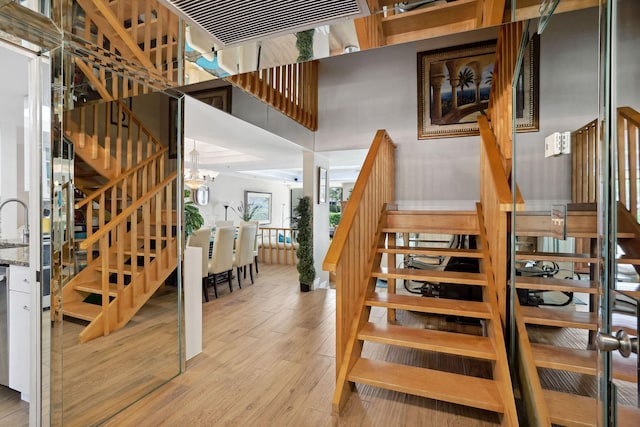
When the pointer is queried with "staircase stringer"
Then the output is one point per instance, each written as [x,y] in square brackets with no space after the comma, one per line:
[143,286]
[501,372]
[532,393]
[354,345]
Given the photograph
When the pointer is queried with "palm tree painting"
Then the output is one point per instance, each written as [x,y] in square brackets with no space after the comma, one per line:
[465,77]
[455,87]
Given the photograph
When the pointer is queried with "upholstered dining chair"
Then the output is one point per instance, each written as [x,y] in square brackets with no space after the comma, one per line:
[222,258]
[243,256]
[224,223]
[200,239]
[255,244]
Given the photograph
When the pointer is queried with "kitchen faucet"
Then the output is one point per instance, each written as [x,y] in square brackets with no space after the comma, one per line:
[25,232]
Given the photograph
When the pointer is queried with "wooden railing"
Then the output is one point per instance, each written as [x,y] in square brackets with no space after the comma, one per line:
[349,255]
[496,200]
[142,31]
[277,245]
[500,101]
[628,163]
[110,148]
[584,163]
[141,230]
[291,89]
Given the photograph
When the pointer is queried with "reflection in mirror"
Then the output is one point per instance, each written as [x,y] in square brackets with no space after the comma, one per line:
[625,113]
[201,195]
[116,330]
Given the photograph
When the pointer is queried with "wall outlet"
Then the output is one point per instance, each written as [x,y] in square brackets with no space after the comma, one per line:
[557,143]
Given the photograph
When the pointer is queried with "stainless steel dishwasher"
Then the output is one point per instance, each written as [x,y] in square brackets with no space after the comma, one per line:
[4,326]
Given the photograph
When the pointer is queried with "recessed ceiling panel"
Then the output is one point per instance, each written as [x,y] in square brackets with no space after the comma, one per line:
[235,22]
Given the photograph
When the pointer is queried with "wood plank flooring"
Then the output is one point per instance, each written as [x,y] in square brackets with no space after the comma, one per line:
[269,360]
[13,411]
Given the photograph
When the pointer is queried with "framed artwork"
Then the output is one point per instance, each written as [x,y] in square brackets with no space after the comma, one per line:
[123,116]
[322,185]
[219,98]
[260,204]
[454,85]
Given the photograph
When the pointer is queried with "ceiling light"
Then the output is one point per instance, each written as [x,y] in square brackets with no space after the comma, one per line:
[192,179]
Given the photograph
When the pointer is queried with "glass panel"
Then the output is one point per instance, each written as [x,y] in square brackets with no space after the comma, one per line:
[625,119]
[554,246]
[119,256]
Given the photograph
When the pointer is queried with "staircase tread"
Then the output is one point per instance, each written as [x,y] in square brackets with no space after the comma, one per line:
[81,310]
[439,276]
[628,260]
[479,310]
[575,410]
[428,339]
[555,256]
[455,388]
[582,361]
[469,253]
[430,229]
[96,288]
[555,284]
[558,317]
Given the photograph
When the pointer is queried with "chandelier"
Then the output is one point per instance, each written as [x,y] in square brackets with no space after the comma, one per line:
[193,179]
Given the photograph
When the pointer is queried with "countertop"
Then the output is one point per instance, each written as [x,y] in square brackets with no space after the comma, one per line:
[13,255]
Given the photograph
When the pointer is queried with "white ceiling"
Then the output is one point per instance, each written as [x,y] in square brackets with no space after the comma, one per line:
[227,144]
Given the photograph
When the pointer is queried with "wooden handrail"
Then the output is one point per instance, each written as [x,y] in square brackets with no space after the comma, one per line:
[350,253]
[114,182]
[95,237]
[495,166]
[355,200]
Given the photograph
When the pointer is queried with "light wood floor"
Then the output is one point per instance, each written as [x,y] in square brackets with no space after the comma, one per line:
[13,411]
[269,360]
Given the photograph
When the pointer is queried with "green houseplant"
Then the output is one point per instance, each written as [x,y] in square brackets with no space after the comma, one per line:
[304,44]
[193,219]
[304,224]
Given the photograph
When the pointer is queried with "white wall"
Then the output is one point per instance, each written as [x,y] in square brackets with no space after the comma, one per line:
[13,86]
[377,89]
[254,111]
[231,187]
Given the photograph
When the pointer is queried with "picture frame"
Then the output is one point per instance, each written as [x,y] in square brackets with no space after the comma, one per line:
[123,117]
[445,113]
[261,202]
[219,97]
[323,185]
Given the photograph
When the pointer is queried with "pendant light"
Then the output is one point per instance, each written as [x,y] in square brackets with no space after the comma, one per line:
[192,179]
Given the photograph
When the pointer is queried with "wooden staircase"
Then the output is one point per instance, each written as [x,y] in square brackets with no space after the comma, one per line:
[492,392]
[132,48]
[131,240]
[558,341]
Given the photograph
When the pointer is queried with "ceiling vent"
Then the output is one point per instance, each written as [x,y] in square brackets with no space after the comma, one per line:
[235,22]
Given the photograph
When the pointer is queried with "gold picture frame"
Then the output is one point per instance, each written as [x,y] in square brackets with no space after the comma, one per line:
[444,112]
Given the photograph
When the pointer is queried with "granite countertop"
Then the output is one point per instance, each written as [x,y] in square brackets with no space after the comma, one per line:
[11,252]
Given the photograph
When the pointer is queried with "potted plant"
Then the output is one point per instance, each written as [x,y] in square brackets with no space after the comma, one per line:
[193,219]
[304,225]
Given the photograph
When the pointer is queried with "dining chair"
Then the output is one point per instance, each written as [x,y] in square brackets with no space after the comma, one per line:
[222,258]
[200,239]
[255,244]
[224,223]
[243,256]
